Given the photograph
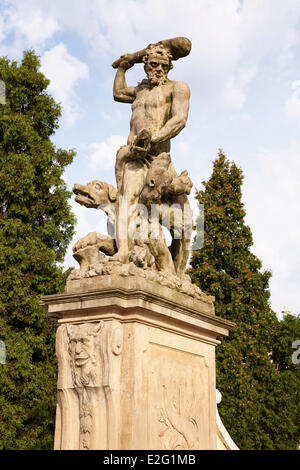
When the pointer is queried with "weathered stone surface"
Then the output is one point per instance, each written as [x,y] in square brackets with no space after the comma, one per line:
[177,47]
[136,366]
[136,339]
[138,267]
[144,172]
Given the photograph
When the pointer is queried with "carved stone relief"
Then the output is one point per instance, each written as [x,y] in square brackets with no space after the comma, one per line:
[181,428]
[179,409]
[89,362]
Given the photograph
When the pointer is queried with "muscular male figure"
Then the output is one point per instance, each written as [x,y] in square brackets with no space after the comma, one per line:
[159,112]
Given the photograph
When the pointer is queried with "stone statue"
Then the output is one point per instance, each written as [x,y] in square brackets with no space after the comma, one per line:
[136,339]
[159,112]
[150,194]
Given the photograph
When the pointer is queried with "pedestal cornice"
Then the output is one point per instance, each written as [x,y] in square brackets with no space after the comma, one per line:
[134,299]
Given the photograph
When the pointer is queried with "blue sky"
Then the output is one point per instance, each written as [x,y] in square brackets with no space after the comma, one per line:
[244,75]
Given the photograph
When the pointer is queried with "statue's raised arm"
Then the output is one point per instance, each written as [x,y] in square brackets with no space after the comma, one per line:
[178,47]
[175,48]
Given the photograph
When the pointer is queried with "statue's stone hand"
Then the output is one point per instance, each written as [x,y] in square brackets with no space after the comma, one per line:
[143,139]
[124,62]
[137,152]
[141,145]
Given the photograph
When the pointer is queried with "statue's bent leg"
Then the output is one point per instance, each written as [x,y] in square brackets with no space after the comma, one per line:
[122,157]
[125,154]
[181,231]
[133,181]
[159,249]
[180,252]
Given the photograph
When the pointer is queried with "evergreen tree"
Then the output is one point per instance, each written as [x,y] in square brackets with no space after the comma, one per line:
[286,357]
[283,351]
[36,225]
[253,408]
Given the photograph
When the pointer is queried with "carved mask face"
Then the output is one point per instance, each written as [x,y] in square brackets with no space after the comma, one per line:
[157,69]
[83,343]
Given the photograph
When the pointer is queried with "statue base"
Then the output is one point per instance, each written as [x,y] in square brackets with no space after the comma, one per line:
[136,366]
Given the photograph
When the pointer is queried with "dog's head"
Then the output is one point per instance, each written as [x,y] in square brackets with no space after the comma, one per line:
[95,194]
[158,180]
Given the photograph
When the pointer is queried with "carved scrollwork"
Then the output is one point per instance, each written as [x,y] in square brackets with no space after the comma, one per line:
[180,428]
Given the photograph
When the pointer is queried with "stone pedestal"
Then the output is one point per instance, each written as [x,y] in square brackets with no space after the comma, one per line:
[136,366]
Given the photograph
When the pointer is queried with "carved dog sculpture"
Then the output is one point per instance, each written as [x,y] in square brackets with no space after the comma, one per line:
[169,191]
[96,195]
[162,184]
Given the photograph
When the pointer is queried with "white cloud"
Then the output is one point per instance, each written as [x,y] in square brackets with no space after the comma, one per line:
[232,43]
[106,116]
[29,22]
[272,194]
[103,154]
[292,105]
[229,38]
[232,95]
[2,34]
[64,72]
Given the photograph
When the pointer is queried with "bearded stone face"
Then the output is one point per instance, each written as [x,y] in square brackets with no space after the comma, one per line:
[157,68]
[83,343]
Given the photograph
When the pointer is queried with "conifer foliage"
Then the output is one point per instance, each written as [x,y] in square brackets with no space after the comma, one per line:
[286,357]
[253,407]
[36,226]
